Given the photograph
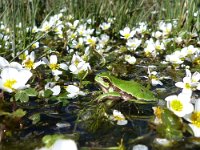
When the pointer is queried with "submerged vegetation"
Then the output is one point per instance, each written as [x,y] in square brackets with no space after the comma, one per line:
[99,74]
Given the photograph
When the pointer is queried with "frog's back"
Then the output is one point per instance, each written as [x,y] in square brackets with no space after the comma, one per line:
[135,89]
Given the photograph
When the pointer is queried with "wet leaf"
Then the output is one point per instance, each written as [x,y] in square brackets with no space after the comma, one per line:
[22,96]
[31,92]
[35,118]
[47,93]
[18,113]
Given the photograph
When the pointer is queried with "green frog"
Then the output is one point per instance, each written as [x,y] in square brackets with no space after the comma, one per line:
[115,88]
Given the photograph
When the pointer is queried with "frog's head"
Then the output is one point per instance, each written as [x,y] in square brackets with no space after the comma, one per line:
[103,79]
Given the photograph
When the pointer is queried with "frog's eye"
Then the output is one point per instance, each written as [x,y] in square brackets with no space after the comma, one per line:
[106,80]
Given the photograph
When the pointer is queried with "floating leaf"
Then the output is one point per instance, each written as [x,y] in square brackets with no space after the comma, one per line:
[35,118]
[18,113]
[48,93]
[22,96]
[31,92]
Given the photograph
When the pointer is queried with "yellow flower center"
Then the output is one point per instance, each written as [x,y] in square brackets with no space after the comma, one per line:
[196,119]
[153,77]
[29,64]
[54,66]
[127,35]
[76,62]
[9,83]
[147,53]
[91,42]
[176,105]
[158,47]
[119,118]
[187,86]
[133,45]
[46,28]
[168,31]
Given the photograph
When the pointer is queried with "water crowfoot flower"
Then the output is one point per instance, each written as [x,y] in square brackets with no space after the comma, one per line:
[53,87]
[190,82]
[127,33]
[154,78]
[13,79]
[130,59]
[4,63]
[119,117]
[180,104]
[78,65]
[194,119]
[105,26]
[61,144]
[29,63]
[73,91]
[54,66]
[133,44]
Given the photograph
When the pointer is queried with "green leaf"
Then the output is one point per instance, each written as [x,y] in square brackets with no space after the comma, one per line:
[48,93]
[35,118]
[31,92]
[17,95]
[21,96]
[18,113]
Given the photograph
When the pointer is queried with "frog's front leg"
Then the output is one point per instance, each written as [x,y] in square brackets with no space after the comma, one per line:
[110,95]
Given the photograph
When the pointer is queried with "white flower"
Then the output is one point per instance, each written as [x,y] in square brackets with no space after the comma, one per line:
[53,87]
[77,44]
[159,45]
[4,63]
[62,144]
[186,85]
[73,91]
[103,40]
[13,79]
[190,50]
[35,45]
[150,50]
[35,29]
[153,77]
[194,78]
[105,26]
[140,147]
[119,117]
[133,44]
[196,14]
[78,65]
[180,104]
[74,25]
[157,34]
[142,27]
[81,29]
[178,40]
[29,61]
[127,33]
[54,66]
[46,26]
[190,82]
[174,58]
[194,119]
[130,59]
[91,41]
[165,28]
